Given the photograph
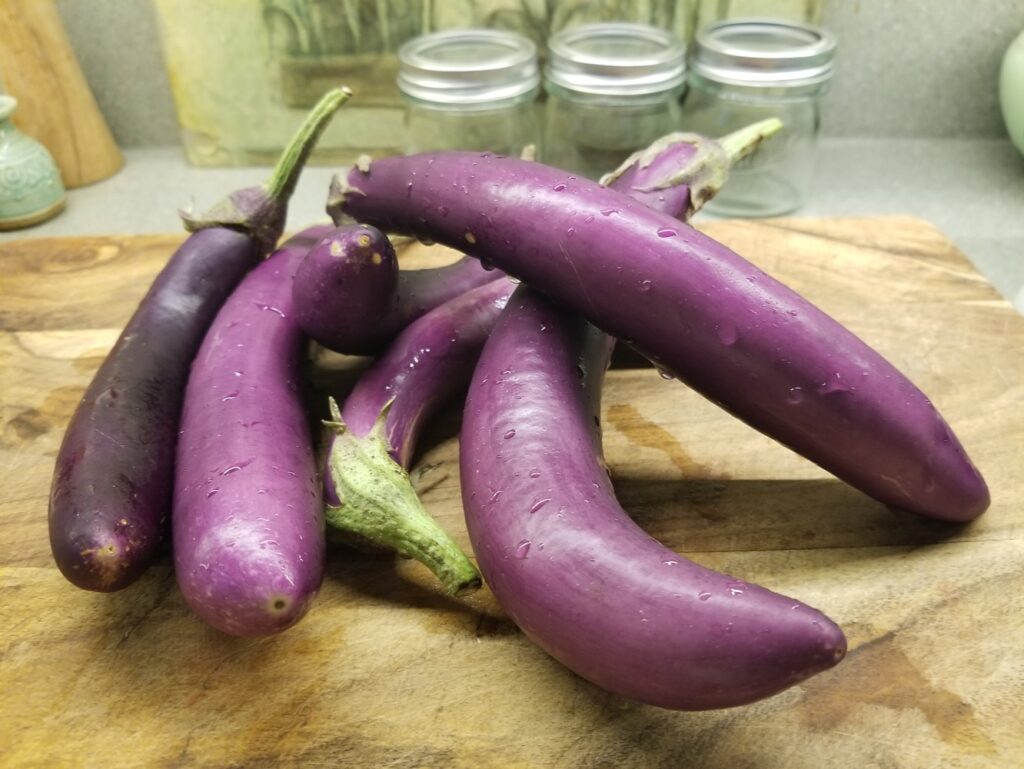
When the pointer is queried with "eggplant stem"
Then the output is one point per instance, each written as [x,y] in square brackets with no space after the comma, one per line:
[285,176]
[261,211]
[744,141]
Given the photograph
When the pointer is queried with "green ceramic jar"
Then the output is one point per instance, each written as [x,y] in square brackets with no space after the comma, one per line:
[1011,91]
[31,190]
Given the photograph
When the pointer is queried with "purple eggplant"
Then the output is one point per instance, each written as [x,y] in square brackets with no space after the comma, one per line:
[357,323]
[680,172]
[111,491]
[431,362]
[566,562]
[695,308]
[367,486]
[352,256]
[570,567]
[248,512]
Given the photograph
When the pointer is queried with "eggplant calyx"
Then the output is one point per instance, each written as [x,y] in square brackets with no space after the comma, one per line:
[379,505]
[338,194]
[262,211]
[702,164]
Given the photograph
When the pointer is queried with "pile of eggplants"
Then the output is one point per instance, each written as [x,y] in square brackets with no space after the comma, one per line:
[196,429]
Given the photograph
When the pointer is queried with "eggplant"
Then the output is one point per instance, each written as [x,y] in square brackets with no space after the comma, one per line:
[570,567]
[369,495]
[597,593]
[111,491]
[695,308]
[248,513]
[367,486]
[365,321]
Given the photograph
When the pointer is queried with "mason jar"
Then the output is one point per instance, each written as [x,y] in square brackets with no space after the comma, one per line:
[470,89]
[745,70]
[612,88]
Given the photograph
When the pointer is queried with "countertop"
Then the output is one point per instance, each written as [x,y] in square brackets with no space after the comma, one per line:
[971,189]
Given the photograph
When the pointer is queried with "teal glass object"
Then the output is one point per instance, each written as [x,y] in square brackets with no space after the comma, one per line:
[31,190]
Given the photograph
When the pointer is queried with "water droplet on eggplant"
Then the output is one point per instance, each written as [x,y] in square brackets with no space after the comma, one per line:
[539,504]
[727,332]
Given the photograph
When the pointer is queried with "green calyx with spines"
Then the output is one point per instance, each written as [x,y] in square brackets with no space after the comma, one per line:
[379,505]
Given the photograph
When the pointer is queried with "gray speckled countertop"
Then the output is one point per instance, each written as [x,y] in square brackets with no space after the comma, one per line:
[971,189]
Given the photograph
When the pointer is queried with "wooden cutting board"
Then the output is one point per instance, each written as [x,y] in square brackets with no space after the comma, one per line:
[386,672]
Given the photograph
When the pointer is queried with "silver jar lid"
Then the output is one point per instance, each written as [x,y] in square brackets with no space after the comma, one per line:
[462,67]
[764,52]
[616,59]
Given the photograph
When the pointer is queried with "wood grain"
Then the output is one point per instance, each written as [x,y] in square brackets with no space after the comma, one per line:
[386,672]
[55,104]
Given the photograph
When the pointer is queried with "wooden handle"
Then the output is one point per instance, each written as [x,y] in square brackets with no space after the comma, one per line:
[55,104]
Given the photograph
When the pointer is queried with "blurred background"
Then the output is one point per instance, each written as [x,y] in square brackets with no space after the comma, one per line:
[240,70]
[196,93]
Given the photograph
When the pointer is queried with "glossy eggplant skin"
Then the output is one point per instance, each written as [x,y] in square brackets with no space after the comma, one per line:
[426,367]
[569,565]
[370,497]
[695,308]
[247,518]
[365,321]
[111,492]
[344,286]
[420,291]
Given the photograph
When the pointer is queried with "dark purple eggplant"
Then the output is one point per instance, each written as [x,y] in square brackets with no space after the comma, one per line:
[111,492]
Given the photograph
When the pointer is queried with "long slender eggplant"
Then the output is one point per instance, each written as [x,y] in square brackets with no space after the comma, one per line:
[565,561]
[111,491]
[571,568]
[248,513]
[695,308]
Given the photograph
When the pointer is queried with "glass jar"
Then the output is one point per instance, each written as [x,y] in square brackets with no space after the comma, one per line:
[470,89]
[744,70]
[612,89]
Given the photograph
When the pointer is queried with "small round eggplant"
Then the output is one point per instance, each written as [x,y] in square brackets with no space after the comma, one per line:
[363,322]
